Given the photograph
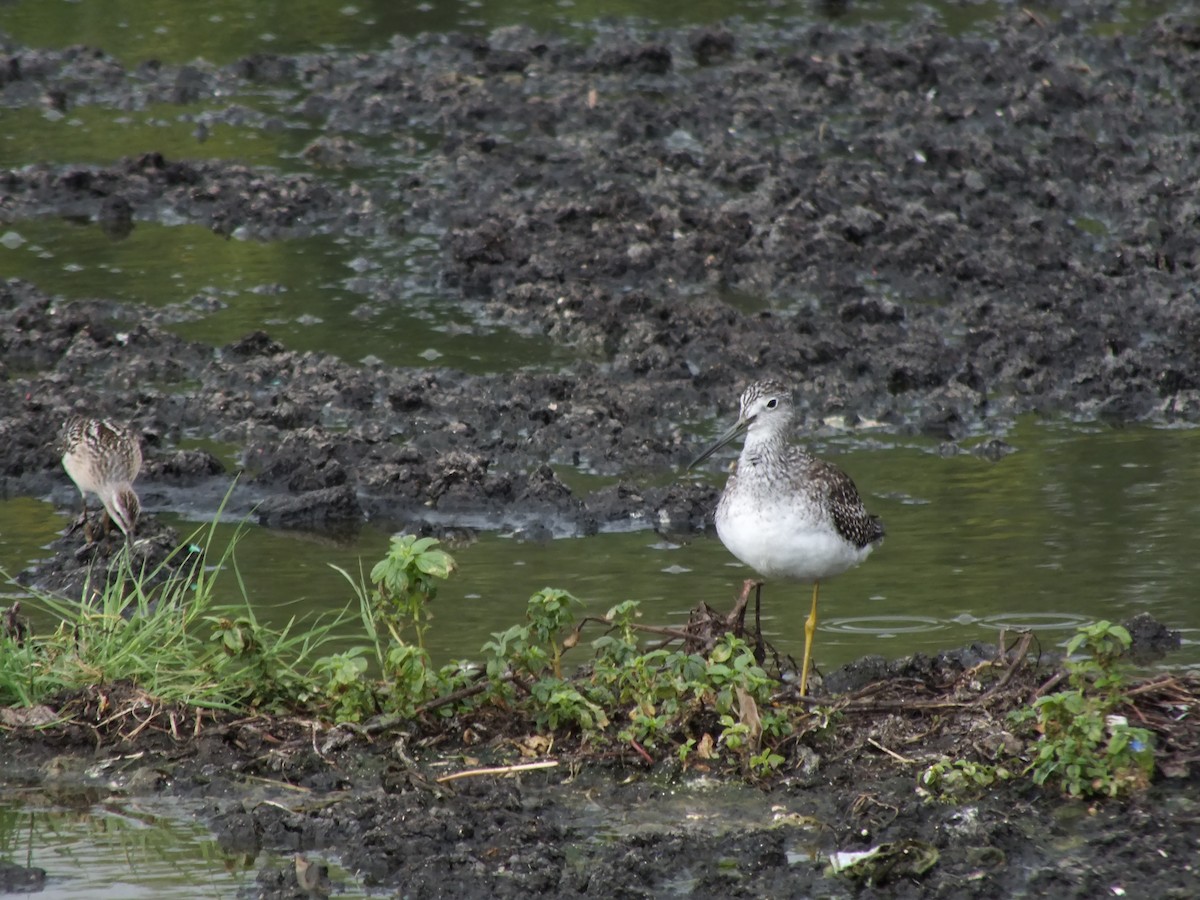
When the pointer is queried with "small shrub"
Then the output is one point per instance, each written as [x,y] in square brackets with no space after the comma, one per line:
[1084,745]
[403,586]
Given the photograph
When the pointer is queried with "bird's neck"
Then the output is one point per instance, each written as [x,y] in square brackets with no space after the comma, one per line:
[763,448]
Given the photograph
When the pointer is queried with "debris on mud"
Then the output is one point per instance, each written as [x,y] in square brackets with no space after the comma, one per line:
[440,806]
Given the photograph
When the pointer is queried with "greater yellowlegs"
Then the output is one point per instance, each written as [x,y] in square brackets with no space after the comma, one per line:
[103,457]
[785,513]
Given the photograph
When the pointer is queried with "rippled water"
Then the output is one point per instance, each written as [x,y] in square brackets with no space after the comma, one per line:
[96,845]
[314,293]
[1079,523]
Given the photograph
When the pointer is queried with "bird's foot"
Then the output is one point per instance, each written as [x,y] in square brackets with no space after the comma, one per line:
[80,521]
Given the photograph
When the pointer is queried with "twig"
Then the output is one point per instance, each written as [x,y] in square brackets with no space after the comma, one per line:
[662,630]
[1052,683]
[1020,652]
[892,753]
[1159,681]
[276,804]
[275,782]
[736,619]
[316,749]
[641,751]
[498,770]
[902,706]
[461,694]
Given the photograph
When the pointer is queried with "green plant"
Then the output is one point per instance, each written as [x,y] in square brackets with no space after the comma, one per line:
[1102,671]
[956,781]
[560,702]
[620,644]
[670,695]
[406,583]
[164,631]
[537,646]
[765,763]
[345,683]
[719,702]
[1084,744]
[403,585]
[549,614]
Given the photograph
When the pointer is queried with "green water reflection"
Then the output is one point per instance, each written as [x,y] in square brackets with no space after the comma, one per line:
[98,845]
[96,135]
[1080,523]
[222,31]
[106,848]
[311,293]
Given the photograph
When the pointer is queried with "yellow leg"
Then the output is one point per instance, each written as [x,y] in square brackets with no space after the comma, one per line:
[810,628]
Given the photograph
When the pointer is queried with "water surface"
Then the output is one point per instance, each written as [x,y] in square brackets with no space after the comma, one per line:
[1079,523]
[94,845]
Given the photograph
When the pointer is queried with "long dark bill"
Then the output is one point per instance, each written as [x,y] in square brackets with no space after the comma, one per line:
[732,434]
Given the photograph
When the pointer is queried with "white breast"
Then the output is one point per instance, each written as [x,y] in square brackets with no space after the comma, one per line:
[779,541]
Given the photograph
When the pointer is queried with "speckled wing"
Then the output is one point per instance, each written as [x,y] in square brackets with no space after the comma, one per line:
[70,434]
[845,506]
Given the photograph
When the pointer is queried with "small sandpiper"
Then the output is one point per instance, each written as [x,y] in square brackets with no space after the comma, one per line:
[785,513]
[103,457]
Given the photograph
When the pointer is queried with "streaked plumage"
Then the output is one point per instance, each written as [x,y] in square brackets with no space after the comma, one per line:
[104,457]
[785,513]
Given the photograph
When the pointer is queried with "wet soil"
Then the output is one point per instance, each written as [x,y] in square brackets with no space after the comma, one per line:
[419,808]
[947,231]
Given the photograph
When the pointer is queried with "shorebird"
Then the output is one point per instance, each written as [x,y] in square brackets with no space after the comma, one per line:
[103,457]
[785,513]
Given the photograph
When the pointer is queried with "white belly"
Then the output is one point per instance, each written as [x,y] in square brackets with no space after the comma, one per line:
[779,543]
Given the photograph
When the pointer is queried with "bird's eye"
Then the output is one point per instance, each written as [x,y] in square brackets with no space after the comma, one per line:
[772,403]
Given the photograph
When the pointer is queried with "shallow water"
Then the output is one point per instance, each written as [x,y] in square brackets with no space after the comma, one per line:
[94,845]
[225,30]
[313,293]
[1081,522]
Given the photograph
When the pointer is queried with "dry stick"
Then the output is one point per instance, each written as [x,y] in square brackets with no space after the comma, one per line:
[381,724]
[385,722]
[461,694]
[1020,651]
[1159,681]
[1052,683]
[892,753]
[641,751]
[498,770]
[736,619]
[1034,17]
[901,706]
[730,621]
[316,749]
[275,782]
[663,630]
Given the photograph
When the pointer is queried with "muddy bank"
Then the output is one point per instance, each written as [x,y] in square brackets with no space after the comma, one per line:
[406,806]
[945,231]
